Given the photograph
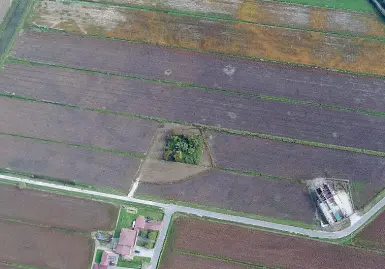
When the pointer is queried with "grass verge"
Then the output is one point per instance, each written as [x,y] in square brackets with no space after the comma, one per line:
[136,262]
[355,5]
[98,255]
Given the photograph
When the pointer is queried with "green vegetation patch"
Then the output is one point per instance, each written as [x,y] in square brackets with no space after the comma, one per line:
[98,255]
[356,5]
[126,217]
[136,262]
[184,148]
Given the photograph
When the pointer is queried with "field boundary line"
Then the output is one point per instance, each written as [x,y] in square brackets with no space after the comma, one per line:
[225,18]
[43,140]
[210,52]
[212,128]
[263,97]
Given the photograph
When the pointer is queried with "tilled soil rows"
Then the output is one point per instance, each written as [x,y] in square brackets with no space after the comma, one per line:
[298,162]
[373,235]
[274,13]
[270,249]
[272,43]
[180,261]
[214,108]
[75,126]
[271,198]
[43,247]
[81,165]
[157,62]
[55,210]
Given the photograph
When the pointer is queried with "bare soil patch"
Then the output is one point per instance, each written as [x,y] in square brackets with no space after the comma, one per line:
[373,235]
[266,248]
[299,162]
[56,210]
[278,44]
[215,108]
[181,261]
[256,195]
[81,165]
[76,126]
[43,247]
[169,64]
[274,13]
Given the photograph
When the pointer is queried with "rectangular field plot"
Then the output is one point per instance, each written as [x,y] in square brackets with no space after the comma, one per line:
[299,162]
[203,69]
[254,247]
[43,247]
[55,210]
[82,165]
[195,106]
[75,126]
[182,261]
[271,198]
[373,235]
[245,39]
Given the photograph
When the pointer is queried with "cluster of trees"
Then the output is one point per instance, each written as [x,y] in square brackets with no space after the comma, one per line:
[184,149]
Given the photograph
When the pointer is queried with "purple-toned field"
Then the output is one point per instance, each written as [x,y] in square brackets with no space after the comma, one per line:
[195,105]
[257,195]
[298,162]
[48,121]
[81,165]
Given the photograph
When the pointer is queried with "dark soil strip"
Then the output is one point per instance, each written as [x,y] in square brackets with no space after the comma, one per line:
[86,166]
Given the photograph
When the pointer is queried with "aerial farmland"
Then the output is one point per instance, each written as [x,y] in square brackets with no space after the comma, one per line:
[228,107]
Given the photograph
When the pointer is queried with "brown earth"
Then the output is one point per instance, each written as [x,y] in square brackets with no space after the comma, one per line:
[373,235]
[270,249]
[274,13]
[182,261]
[255,195]
[288,160]
[82,165]
[278,44]
[75,126]
[55,210]
[43,247]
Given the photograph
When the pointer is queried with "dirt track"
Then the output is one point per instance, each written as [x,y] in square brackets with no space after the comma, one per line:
[269,249]
[373,235]
[56,210]
[205,107]
[42,247]
[271,198]
[278,44]
[85,166]
[190,67]
[75,126]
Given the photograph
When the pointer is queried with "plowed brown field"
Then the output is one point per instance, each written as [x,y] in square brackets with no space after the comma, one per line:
[278,44]
[56,210]
[373,235]
[258,247]
[43,247]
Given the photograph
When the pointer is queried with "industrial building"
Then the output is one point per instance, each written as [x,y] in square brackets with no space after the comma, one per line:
[334,205]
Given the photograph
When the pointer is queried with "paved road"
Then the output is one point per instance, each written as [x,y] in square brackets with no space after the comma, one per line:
[170,209]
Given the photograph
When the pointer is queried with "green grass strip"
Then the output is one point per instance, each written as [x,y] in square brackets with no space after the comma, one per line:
[15,23]
[205,127]
[218,17]
[114,151]
[210,52]
[263,97]
[22,266]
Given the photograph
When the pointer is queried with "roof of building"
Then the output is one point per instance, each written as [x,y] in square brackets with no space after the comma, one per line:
[109,257]
[123,250]
[140,223]
[127,237]
[155,226]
